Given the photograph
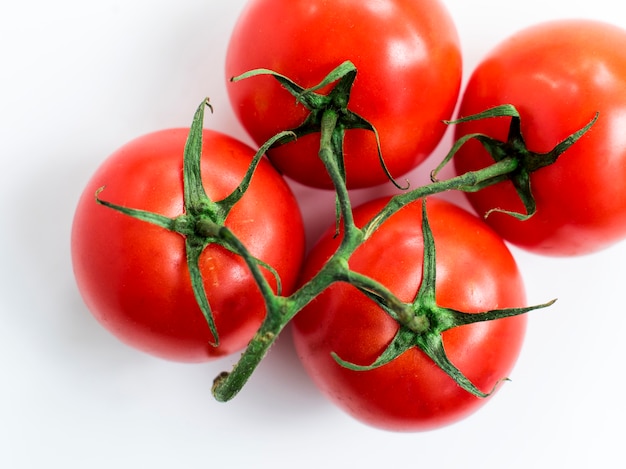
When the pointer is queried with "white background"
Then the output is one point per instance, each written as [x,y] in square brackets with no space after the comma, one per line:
[77,80]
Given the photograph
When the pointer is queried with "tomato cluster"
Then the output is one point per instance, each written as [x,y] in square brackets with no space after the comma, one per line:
[409,311]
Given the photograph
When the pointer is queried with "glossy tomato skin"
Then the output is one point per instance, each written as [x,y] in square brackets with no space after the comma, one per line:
[409,72]
[558,74]
[475,271]
[133,275]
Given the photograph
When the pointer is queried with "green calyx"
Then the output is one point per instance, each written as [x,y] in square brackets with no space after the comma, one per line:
[331,107]
[203,221]
[422,321]
[514,148]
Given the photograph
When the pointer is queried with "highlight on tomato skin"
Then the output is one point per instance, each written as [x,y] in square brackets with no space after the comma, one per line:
[558,74]
[475,272]
[409,63]
[133,276]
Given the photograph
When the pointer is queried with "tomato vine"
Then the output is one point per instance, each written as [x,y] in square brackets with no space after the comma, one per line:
[422,321]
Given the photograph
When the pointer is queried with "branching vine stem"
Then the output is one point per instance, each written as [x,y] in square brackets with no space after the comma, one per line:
[422,320]
[415,328]
[227,385]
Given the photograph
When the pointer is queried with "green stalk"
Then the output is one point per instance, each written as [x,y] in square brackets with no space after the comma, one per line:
[466,182]
[421,321]
[282,309]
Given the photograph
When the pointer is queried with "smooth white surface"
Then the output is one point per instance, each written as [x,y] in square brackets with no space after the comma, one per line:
[78,79]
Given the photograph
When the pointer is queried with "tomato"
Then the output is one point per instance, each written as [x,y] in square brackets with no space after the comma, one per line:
[133,275]
[409,71]
[475,272]
[557,74]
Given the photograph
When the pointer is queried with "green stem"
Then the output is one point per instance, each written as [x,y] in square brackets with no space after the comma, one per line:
[282,309]
[466,182]
[422,321]
[416,325]
[331,154]
[203,223]
[227,385]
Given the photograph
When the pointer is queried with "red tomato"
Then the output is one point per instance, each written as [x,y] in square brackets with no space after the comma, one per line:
[558,74]
[475,272]
[409,70]
[133,275]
